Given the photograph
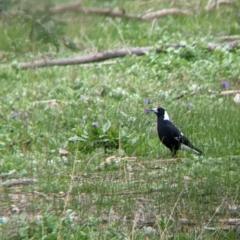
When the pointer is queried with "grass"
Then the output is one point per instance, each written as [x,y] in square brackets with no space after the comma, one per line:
[133,190]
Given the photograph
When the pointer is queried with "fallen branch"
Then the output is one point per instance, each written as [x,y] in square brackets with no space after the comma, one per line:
[216,4]
[231,221]
[164,161]
[230,38]
[76,7]
[14,182]
[224,93]
[164,12]
[135,192]
[51,102]
[215,229]
[184,95]
[89,58]
[230,92]
[110,13]
[98,57]
[6,175]
[232,45]
[226,225]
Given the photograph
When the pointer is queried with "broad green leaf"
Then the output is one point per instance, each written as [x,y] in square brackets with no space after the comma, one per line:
[106,126]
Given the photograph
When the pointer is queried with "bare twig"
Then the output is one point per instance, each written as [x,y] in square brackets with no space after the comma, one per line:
[50,102]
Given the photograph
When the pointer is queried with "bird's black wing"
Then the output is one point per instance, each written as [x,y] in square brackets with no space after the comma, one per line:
[169,134]
[183,140]
[173,130]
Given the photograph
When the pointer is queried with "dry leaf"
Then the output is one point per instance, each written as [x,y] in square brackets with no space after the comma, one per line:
[63,151]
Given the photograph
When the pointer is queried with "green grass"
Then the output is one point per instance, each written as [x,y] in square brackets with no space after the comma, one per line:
[84,196]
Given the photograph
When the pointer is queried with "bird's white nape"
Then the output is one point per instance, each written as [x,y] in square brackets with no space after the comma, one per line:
[166,117]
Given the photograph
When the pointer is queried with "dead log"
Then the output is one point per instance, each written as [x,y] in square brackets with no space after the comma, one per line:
[23,181]
[89,58]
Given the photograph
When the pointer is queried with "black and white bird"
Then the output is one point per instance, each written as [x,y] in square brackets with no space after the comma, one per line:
[169,134]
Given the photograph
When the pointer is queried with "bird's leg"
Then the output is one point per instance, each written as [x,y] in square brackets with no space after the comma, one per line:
[174,153]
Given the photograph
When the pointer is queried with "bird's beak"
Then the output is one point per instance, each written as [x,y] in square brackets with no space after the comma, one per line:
[154,110]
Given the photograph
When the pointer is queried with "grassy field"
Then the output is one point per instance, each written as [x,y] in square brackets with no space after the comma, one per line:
[83,131]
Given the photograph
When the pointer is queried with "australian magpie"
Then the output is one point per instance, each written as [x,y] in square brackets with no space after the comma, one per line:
[170,136]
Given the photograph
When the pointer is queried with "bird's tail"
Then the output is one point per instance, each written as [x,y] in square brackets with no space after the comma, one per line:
[191,148]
